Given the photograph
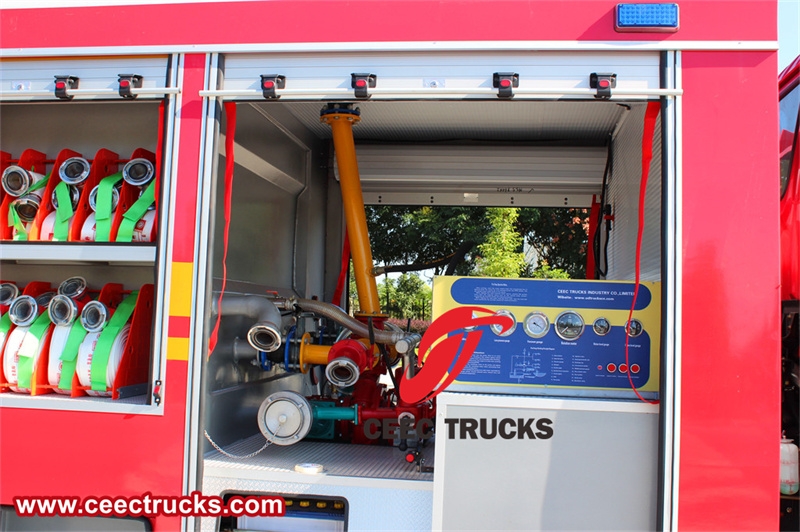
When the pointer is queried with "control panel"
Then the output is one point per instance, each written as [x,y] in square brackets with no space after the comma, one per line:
[569,338]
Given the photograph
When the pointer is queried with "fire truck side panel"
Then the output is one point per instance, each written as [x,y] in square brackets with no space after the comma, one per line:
[61,450]
[51,453]
[245,23]
[729,397]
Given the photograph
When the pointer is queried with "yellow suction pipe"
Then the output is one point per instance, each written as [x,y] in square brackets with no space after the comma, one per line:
[341,119]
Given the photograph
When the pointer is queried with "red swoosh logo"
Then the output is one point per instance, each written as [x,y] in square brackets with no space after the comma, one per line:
[436,374]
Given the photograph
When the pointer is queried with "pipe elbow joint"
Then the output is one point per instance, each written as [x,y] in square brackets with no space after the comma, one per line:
[346,360]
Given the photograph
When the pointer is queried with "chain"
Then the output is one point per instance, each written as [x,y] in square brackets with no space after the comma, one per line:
[229,455]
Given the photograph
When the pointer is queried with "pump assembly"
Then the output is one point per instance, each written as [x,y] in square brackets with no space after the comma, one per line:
[355,397]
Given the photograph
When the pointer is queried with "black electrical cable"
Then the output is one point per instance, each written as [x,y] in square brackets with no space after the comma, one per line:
[385,356]
[598,270]
[384,353]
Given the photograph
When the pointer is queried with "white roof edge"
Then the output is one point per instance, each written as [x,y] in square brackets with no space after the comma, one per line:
[404,46]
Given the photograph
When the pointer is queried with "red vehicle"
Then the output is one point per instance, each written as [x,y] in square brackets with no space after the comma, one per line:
[789,90]
[198,166]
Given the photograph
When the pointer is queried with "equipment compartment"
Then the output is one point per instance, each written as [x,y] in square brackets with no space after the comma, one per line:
[114,140]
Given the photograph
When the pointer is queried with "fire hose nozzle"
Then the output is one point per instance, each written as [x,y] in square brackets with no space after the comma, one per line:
[73,288]
[94,316]
[8,292]
[74,197]
[16,180]
[28,205]
[23,311]
[63,310]
[93,197]
[138,172]
[74,170]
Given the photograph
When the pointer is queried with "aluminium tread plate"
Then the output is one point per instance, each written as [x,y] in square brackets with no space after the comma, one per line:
[338,459]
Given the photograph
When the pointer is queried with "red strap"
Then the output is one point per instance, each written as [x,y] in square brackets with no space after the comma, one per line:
[650,117]
[230,131]
[337,294]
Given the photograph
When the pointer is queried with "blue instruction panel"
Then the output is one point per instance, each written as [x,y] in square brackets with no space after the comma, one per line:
[569,336]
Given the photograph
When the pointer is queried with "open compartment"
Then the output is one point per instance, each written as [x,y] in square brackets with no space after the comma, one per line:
[286,225]
[104,156]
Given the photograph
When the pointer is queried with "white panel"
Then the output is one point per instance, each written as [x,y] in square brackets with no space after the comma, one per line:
[446,71]
[567,122]
[623,195]
[595,471]
[37,75]
[494,169]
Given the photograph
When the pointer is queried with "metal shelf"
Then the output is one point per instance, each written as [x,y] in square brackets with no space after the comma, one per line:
[70,252]
[130,405]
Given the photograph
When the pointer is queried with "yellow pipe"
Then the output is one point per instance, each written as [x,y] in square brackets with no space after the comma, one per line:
[312,353]
[353,201]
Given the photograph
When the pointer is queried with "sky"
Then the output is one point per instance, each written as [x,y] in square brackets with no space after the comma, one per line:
[788,31]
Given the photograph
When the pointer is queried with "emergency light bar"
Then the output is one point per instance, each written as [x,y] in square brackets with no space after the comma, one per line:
[647,18]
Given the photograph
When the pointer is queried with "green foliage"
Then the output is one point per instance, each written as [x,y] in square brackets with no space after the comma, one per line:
[559,236]
[406,296]
[419,235]
[416,235]
[501,253]
[544,271]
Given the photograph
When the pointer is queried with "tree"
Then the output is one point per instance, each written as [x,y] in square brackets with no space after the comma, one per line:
[420,235]
[560,237]
[407,296]
[501,253]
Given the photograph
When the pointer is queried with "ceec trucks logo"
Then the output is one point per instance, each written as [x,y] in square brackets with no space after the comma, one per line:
[457,334]
[457,329]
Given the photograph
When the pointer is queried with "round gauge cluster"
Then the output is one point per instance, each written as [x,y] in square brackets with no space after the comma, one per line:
[569,325]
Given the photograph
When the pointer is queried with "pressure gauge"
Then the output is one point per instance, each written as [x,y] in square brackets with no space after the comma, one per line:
[536,324]
[634,328]
[569,325]
[498,328]
[601,327]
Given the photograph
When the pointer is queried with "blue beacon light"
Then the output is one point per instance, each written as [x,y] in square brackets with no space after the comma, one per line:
[647,18]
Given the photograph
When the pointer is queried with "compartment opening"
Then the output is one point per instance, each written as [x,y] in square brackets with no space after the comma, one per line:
[286,230]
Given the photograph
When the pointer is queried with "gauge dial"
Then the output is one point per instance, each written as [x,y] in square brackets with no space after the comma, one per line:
[634,328]
[497,328]
[536,324]
[569,325]
[601,327]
